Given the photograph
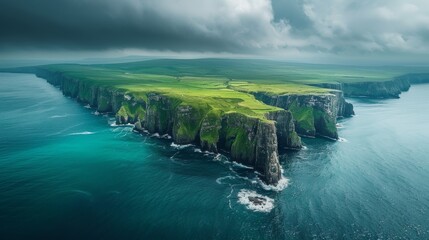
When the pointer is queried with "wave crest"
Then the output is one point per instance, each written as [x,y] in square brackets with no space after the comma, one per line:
[82,133]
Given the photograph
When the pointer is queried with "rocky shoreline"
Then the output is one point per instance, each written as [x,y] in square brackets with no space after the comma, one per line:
[249,140]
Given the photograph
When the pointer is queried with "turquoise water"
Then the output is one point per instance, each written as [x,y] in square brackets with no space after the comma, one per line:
[65,173]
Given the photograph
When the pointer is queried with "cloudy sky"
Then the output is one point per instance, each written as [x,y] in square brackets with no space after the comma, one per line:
[303,30]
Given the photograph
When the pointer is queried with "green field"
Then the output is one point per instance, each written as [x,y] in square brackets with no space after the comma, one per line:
[222,84]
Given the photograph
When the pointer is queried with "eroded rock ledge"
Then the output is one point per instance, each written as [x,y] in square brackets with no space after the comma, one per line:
[249,140]
[315,114]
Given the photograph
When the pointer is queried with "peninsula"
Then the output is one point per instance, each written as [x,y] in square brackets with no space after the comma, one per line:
[250,109]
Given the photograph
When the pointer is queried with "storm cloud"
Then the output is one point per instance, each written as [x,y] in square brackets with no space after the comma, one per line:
[240,26]
[192,25]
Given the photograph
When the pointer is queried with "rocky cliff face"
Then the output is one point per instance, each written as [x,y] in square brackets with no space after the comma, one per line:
[385,89]
[251,141]
[382,89]
[287,137]
[314,114]
[415,78]
[345,109]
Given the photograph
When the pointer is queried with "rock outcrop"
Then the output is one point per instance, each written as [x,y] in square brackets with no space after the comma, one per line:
[314,114]
[287,137]
[415,78]
[377,89]
[345,109]
[249,140]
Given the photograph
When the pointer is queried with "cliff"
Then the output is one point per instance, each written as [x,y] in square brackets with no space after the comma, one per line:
[415,78]
[250,140]
[377,89]
[314,114]
[380,89]
[345,109]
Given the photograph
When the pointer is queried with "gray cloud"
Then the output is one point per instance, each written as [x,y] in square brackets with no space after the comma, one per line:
[370,26]
[293,12]
[192,25]
[280,27]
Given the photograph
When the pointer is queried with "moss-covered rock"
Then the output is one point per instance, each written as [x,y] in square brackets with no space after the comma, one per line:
[237,135]
[209,131]
[267,160]
[187,122]
[104,100]
[314,114]
[324,124]
[131,112]
[286,134]
[160,112]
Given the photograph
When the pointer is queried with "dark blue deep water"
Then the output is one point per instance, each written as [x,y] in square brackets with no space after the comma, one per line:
[65,173]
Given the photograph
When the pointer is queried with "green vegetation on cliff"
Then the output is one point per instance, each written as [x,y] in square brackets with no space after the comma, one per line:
[249,108]
[227,85]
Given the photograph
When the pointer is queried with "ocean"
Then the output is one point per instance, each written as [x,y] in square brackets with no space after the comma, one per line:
[68,172]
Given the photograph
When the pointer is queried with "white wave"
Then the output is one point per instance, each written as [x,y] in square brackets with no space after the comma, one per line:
[197,150]
[208,153]
[155,135]
[114,124]
[281,185]
[87,106]
[219,158]
[82,133]
[255,202]
[96,113]
[59,116]
[240,165]
[166,136]
[340,139]
[304,148]
[219,180]
[178,146]
[339,125]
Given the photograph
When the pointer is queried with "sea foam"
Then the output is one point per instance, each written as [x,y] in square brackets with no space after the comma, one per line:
[236,164]
[178,146]
[59,116]
[281,185]
[82,133]
[254,201]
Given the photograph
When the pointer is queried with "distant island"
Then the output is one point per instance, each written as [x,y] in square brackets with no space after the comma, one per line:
[247,108]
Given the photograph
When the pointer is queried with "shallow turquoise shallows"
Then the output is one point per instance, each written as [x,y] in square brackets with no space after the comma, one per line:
[68,173]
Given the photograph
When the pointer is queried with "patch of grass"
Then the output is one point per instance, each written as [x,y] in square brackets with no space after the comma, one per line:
[304,118]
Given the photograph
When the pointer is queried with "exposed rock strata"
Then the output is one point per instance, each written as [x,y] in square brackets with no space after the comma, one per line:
[314,114]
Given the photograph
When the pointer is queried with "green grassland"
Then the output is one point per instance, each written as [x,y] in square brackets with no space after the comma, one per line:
[222,84]
[265,71]
[194,91]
